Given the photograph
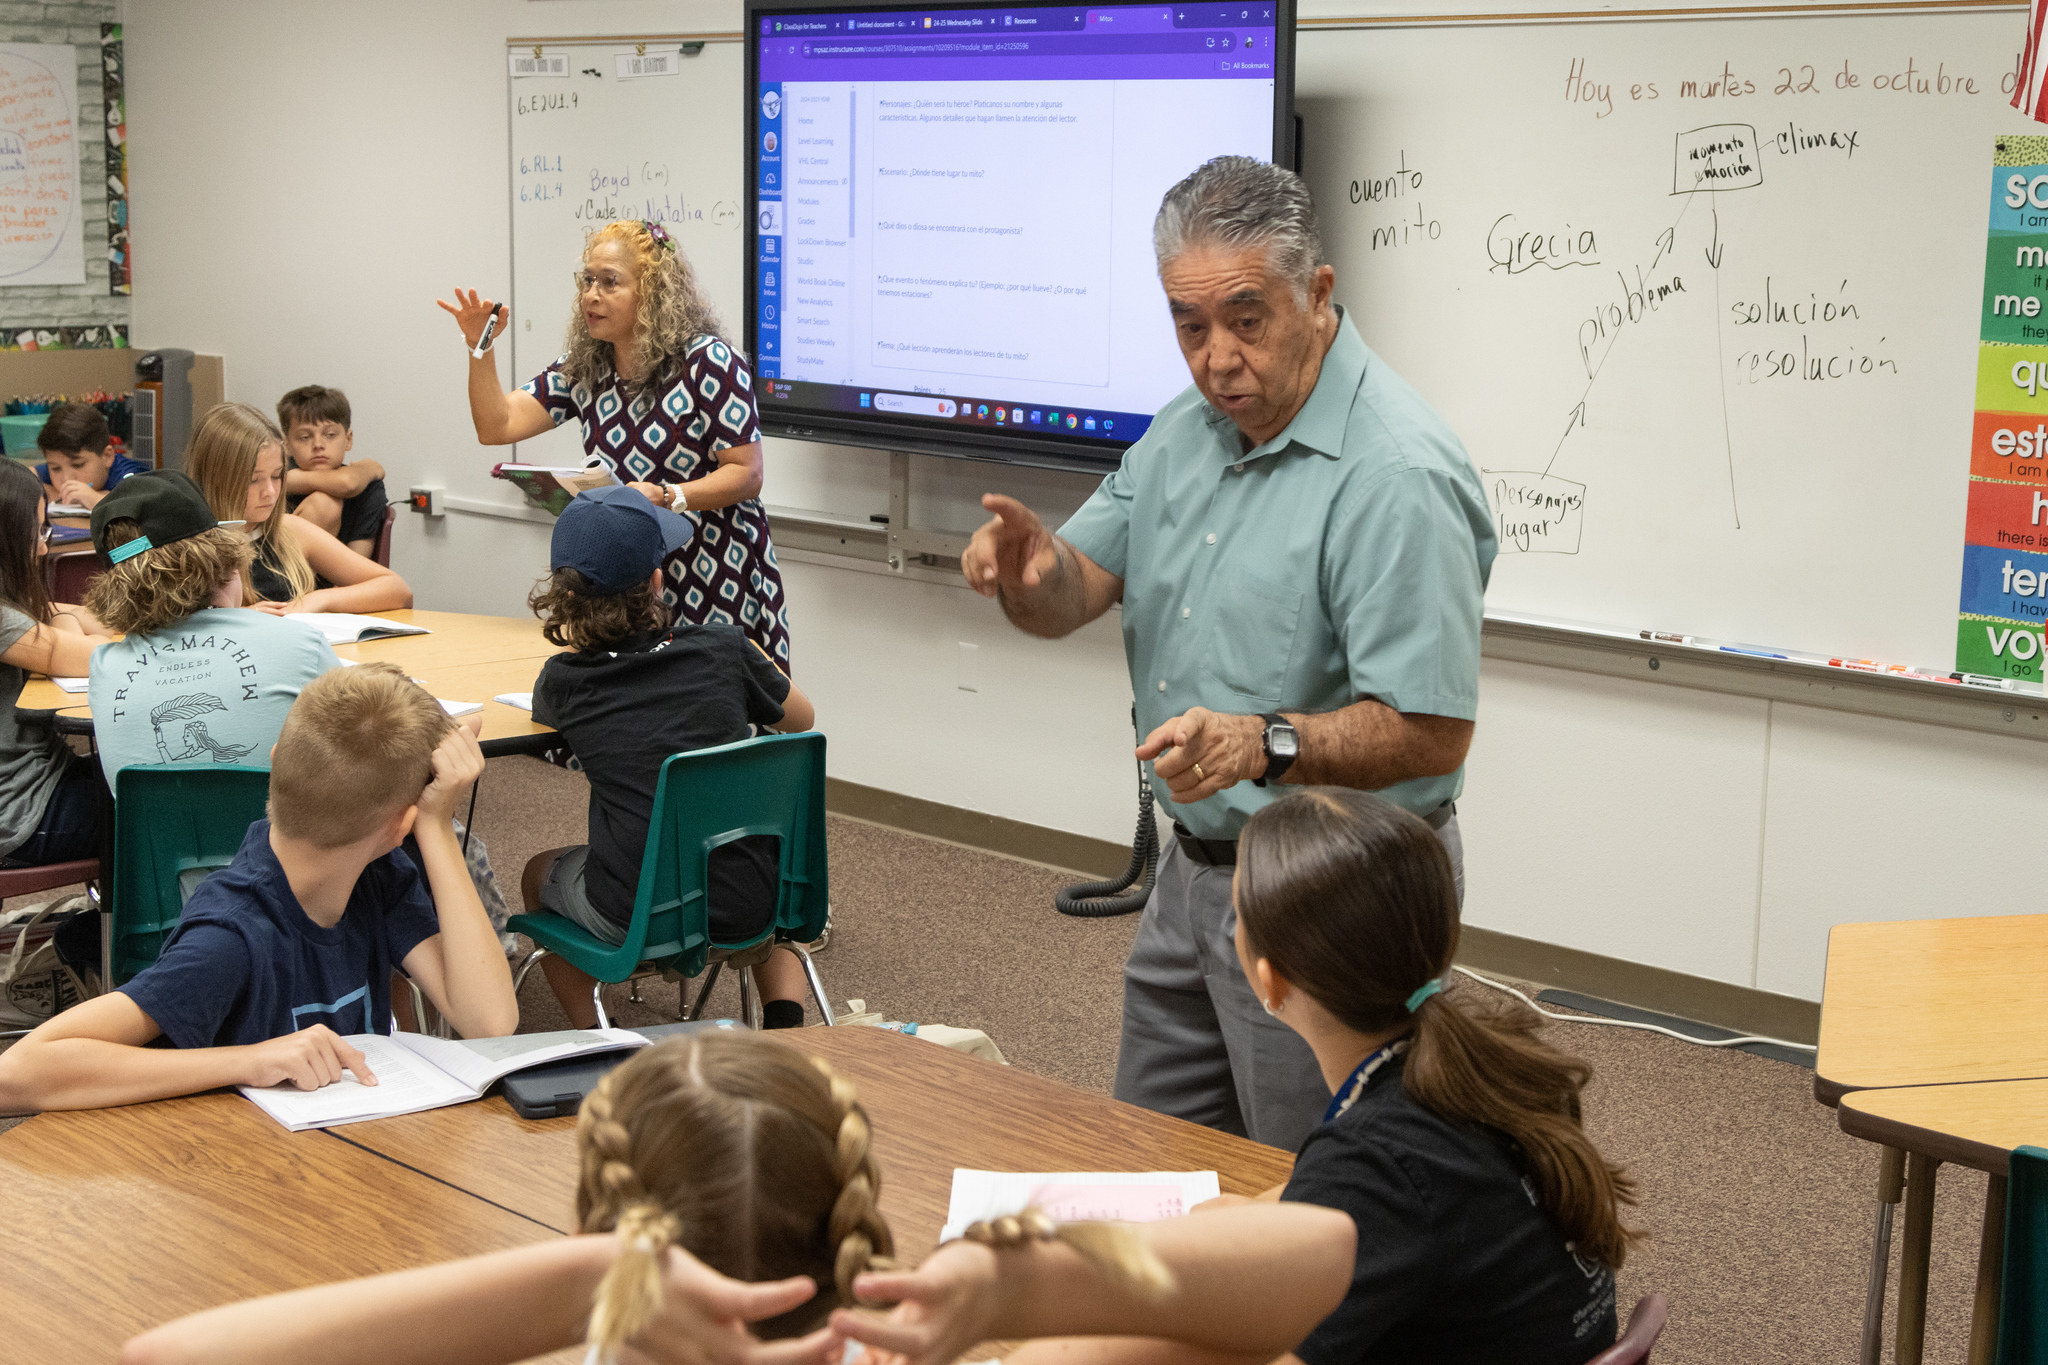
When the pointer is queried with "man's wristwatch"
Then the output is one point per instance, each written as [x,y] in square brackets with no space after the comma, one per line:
[1283,746]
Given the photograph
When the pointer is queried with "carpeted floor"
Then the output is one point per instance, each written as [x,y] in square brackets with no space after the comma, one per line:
[1757,1208]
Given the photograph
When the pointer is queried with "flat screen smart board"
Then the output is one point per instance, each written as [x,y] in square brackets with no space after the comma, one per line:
[950,212]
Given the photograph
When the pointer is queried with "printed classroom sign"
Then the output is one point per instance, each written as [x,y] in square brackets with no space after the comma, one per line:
[2005,539]
[42,237]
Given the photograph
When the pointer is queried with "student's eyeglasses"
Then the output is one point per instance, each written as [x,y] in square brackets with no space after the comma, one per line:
[607,283]
[44,536]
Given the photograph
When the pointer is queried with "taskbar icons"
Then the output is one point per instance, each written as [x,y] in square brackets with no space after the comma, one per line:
[935,407]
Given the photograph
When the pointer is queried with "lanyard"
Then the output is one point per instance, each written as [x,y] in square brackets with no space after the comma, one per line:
[1354,1085]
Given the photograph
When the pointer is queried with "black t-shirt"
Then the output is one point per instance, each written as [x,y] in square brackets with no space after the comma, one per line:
[1458,1263]
[625,712]
[362,516]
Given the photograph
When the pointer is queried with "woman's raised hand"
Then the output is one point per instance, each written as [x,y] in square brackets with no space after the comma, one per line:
[471,312]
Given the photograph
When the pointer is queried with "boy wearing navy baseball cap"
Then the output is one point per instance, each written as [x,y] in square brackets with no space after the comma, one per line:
[634,690]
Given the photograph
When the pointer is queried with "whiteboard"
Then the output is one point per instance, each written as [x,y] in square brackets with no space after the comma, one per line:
[589,147]
[1499,205]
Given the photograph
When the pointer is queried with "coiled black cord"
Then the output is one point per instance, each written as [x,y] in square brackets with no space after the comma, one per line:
[1127,894]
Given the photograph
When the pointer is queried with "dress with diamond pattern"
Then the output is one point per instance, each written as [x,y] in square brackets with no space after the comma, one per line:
[728,573]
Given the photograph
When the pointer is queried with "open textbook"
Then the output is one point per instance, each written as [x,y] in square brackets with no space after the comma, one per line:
[345,628]
[549,487]
[1075,1196]
[415,1072]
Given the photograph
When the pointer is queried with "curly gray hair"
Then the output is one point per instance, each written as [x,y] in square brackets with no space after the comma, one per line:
[1236,201]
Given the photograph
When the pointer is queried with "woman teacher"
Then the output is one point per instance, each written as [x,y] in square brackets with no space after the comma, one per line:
[664,401]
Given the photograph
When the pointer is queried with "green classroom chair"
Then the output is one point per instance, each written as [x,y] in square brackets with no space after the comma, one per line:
[174,825]
[2023,1298]
[771,785]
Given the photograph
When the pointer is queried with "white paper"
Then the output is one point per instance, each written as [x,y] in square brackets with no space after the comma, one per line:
[345,628]
[633,65]
[69,509]
[406,1084]
[458,708]
[416,1072]
[522,700]
[42,210]
[478,1061]
[71,684]
[530,64]
[1074,1195]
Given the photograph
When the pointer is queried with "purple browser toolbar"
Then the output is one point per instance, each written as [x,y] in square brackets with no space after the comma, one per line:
[1121,42]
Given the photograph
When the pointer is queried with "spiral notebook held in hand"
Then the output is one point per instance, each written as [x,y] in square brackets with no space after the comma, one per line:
[415,1072]
[549,487]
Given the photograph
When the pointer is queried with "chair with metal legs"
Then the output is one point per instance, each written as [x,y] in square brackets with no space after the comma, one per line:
[772,785]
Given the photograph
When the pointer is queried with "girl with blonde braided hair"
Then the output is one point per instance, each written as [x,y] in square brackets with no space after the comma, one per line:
[721,1158]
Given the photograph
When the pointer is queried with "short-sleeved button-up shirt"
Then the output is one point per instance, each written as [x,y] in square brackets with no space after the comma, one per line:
[1342,560]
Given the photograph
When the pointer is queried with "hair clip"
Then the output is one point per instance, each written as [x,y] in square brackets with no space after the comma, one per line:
[659,234]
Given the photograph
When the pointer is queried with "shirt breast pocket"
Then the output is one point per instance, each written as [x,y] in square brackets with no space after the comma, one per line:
[1252,648]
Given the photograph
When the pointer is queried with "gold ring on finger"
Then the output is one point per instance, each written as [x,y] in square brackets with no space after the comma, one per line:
[1200,776]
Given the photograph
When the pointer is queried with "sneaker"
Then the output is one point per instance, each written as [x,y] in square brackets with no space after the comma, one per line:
[823,940]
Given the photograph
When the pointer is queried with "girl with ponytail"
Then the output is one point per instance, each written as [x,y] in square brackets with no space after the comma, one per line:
[1489,1225]
[728,1200]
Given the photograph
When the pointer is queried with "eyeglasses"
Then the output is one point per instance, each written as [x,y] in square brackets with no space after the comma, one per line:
[45,536]
[607,283]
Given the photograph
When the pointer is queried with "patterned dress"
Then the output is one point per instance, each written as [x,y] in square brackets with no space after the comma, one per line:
[728,573]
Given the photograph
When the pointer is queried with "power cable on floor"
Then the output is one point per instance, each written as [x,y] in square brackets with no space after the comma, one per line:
[1629,1023]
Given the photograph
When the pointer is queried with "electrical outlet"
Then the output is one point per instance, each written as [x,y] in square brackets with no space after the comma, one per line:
[426,501]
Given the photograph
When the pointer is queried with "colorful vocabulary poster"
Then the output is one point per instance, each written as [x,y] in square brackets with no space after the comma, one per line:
[2005,540]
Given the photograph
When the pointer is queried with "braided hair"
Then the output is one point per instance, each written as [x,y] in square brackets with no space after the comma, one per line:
[743,1152]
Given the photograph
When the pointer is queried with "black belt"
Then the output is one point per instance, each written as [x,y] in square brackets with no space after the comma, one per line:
[1223,852]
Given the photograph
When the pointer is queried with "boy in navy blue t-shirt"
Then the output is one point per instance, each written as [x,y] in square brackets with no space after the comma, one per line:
[289,948]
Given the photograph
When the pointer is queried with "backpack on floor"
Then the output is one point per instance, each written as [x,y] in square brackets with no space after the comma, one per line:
[35,983]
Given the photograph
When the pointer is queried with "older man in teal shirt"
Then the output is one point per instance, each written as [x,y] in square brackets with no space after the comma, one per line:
[1301,547]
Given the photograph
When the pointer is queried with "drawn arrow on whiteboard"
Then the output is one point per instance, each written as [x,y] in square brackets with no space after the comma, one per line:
[1714,251]
[1578,419]
[1665,239]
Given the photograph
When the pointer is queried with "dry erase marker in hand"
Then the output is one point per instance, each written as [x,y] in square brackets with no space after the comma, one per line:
[483,342]
[1665,637]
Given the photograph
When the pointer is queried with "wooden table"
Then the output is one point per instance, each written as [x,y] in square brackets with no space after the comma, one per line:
[126,1218]
[1947,1003]
[134,1216]
[467,658]
[1975,1125]
[933,1109]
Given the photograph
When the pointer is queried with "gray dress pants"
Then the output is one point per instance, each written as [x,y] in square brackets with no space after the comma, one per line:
[1196,1042]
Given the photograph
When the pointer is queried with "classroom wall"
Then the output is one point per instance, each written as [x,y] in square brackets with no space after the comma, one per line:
[307,178]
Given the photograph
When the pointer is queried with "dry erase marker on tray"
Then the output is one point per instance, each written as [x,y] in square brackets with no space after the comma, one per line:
[1979,680]
[1859,665]
[1665,637]
[1753,653]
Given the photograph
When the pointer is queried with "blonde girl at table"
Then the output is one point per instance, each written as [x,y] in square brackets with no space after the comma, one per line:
[728,1204]
[667,404]
[237,458]
[49,812]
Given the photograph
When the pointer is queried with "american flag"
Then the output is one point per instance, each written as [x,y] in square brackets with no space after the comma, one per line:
[2031,96]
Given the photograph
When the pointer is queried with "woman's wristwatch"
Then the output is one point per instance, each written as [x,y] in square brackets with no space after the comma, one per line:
[673,493]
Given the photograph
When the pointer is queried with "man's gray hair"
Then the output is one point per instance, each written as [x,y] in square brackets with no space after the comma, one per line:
[1235,201]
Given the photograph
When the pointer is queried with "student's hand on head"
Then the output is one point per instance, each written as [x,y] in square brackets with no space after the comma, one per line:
[704,1315]
[458,763]
[309,1059]
[470,314]
[943,1307]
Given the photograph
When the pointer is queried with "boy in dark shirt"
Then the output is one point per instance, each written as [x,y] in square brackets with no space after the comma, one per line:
[634,691]
[290,947]
[79,464]
[345,500]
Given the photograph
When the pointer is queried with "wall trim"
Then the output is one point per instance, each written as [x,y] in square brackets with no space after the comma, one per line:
[1698,998]
[1483,950]
[977,829]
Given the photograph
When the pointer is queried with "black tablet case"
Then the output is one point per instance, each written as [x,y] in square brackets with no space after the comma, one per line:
[557,1089]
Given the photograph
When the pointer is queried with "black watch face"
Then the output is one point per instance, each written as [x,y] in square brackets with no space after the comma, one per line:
[1282,740]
